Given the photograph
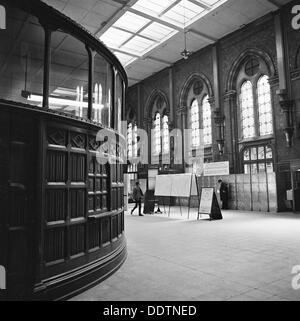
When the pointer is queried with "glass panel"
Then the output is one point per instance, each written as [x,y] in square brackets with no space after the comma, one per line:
[68,75]
[183,13]
[165,128]
[246,169]
[114,38]
[264,106]
[261,152]
[152,7]
[138,45]
[131,22]
[124,59]
[247,110]
[254,153]
[270,168]
[261,168]
[195,123]
[157,31]
[102,91]
[157,134]
[269,152]
[246,155]
[118,102]
[253,168]
[21,58]
[207,129]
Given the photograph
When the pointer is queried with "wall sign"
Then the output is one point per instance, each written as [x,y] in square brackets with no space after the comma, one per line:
[216,169]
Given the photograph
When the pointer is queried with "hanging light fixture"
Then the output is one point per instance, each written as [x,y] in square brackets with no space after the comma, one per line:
[185,53]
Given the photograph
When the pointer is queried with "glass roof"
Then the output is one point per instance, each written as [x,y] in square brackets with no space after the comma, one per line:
[149,23]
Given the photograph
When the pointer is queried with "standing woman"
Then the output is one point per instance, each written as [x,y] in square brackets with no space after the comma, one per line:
[137,197]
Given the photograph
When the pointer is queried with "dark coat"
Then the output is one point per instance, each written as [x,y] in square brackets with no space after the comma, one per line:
[137,194]
[223,191]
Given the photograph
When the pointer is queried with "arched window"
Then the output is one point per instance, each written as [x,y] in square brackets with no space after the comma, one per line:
[165,135]
[129,141]
[157,134]
[195,123]
[206,116]
[264,106]
[247,110]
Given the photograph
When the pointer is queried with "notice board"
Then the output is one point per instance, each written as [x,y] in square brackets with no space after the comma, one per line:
[209,204]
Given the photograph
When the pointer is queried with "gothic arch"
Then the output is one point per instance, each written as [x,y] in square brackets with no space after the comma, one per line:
[188,84]
[156,93]
[260,54]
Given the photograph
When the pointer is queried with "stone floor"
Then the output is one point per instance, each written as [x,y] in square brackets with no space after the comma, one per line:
[246,256]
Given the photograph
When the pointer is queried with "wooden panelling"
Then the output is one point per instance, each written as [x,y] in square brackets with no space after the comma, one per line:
[55,245]
[56,169]
[56,205]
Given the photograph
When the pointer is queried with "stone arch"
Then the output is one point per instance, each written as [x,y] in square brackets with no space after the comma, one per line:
[260,54]
[156,93]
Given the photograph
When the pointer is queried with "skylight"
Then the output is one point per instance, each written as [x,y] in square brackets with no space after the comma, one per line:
[157,31]
[149,23]
[131,22]
[153,7]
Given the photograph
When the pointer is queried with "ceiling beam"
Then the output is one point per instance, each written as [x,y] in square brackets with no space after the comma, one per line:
[202,35]
[158,60]
[201,4]
[169,7]
[124,52]
[162,22]
[111,20]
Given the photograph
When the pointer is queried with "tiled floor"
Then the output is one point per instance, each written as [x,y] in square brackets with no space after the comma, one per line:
[246,256]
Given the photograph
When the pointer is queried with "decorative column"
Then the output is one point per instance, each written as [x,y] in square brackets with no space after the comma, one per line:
[230,104]
[284,91]
[287,106]
[182,114]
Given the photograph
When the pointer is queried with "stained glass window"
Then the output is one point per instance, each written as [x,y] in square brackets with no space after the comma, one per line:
[247,110]
[264,106]
[195,123]
[207,130]
[157,134]
[165,135]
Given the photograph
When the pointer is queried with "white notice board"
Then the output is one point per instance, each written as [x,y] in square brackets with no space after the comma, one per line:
[181,185]
[163,185]
[206,200]
[176,185]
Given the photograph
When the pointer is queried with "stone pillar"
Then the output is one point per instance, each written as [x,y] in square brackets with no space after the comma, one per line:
[231,133]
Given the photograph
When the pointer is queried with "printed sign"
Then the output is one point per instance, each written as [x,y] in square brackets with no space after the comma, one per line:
[216,169]
[206,200]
